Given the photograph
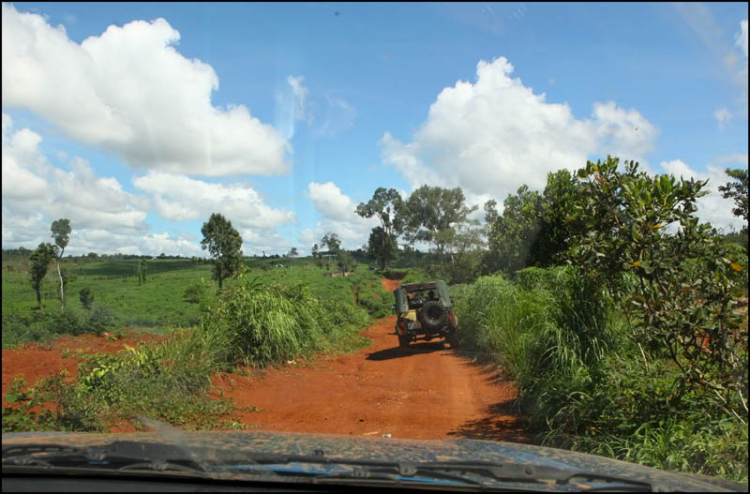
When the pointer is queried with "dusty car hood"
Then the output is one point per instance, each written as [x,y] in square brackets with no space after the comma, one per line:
[209,445]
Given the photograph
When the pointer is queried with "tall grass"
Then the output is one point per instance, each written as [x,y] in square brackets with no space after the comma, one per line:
[583,383]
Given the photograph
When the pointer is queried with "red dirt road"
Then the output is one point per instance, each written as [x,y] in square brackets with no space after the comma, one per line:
[424,392]
[34,362]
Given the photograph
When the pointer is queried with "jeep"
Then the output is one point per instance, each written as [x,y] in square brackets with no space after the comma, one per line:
[425,312]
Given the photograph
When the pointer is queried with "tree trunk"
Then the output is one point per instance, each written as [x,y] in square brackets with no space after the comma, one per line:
[62,291]
[39,297]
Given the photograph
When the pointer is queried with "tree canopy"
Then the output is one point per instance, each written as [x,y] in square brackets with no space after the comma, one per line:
[388,206]
[431,210]
[224,243]
[40,259]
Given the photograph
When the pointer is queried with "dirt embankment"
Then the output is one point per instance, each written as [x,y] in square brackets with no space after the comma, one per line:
[390,285]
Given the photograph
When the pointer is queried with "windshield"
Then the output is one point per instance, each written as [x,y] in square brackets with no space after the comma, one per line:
[209,208]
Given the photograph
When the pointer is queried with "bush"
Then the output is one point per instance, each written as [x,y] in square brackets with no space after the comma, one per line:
[194,293]
[102,319]
[277,323]
[86,297]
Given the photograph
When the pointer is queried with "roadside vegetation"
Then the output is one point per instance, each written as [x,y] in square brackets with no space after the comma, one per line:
[634,346]
[621,317]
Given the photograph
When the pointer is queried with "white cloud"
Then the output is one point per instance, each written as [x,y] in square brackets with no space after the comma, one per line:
[339,216]
[723,116]
[131,92]
[491,136]
[179,198]
[741,37]
[712,208]
[329,200]
[32,188]
[307,239]
[291,106]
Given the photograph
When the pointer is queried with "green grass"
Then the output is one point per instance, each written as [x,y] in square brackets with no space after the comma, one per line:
[161,302]
[170,380]
[583,383]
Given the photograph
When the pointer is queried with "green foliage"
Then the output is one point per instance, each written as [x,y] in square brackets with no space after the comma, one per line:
[332,242]
[61,233]
[345,260]
[40,260]
[737,190]
[534,229]
[194,293]
[142,271]
[224,244]
[676,290]
[514,233]
[582,381]
[382,247]
[277,323]
[86,297]
[388,206]
[432,210]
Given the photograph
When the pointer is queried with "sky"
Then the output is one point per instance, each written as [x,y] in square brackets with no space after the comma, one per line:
[137,121]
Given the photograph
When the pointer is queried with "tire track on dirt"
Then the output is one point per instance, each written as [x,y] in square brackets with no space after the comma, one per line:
[424,392]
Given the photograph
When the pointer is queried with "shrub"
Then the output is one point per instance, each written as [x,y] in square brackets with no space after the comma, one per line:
[86,297]
[193,293]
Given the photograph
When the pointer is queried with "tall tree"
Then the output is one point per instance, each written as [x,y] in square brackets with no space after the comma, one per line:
[332,241]
[61,233]
[381,246]
[514,232]
[431,210]
[388,206]
[316,255]
[737,190]
[225,246]
[40,259]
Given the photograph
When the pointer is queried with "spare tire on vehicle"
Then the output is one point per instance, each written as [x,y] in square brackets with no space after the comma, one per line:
[433,315]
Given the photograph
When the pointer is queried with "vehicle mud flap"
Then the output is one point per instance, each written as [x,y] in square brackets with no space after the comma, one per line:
[403,341]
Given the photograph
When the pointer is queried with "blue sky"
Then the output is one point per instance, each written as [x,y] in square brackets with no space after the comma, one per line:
[285,116]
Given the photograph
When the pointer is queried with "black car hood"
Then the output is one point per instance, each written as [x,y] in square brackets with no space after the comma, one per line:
[384,450]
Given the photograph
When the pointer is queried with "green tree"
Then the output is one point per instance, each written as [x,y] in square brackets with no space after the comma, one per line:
[316,256]
[86,297]
[737,190]
[40,259]
[676,289]
[514,233]
[333,243]
[558,225]
[381,246]
[142,271]
[431,210]
[224,244]
[388,206]
[61,233]
[345,260]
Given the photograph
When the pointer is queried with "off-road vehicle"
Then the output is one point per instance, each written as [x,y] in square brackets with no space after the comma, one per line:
[425,311]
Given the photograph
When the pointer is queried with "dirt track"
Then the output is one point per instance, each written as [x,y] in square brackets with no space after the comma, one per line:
[425,392]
